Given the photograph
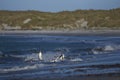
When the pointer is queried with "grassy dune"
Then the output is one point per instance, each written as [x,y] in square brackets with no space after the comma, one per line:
[65,20]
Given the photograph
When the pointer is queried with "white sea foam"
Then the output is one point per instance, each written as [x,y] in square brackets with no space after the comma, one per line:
[95,52]
[109,48]
[105,49]
[33,56]
[76,59]
[18,68]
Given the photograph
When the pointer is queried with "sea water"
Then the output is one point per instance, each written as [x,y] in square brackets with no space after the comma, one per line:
[84,55]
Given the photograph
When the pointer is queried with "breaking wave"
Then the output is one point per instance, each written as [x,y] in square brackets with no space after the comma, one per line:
[105,49]
[18,68]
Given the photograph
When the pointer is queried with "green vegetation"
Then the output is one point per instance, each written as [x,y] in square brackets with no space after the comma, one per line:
[65,20]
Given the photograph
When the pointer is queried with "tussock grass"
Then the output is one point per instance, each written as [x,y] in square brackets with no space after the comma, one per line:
[97,19]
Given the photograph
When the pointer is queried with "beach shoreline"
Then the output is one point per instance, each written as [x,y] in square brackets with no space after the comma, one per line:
[74,32]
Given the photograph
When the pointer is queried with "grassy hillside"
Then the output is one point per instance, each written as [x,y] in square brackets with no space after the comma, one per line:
[66,20]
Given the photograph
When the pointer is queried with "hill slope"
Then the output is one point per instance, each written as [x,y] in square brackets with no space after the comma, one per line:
[66,20]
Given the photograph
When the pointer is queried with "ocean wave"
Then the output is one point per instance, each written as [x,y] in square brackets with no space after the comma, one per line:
[109,48]
[76,59]
[19,68]
[105,49]
[31,57]
[22,51]
[63,49]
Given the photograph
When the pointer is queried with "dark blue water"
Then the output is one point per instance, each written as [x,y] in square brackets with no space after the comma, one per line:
[84,55]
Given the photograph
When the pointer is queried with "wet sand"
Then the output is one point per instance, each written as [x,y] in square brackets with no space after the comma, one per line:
[74,32]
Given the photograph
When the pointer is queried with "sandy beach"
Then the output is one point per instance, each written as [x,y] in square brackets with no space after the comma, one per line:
[74,32]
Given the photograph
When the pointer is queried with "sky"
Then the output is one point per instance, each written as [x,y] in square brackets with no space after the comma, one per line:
[58,5]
